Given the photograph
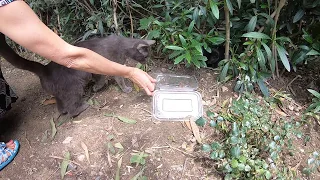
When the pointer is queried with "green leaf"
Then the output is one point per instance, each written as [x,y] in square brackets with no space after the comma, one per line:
[216,40]
[215,146]
[201,121]
[213,123]
[268,51]
[234,140]
[154,34]
[179,59]
[241,166]
[315,93]
[234,163]
[182,40]
[256,35]
[224,72]
[252,23]
[175,54]
[92,2]
[64,164]
[190,28]
[282,54]
[214,155]
[298,15]
[126,120]
[268,174]
[188,56]
[263,88]
[214,9]
[313,53]
[210,114]
[235,151]
[53,128]
[221,154]
[175,48]
[261,59]
[230,7]
[206,148]
[247,168]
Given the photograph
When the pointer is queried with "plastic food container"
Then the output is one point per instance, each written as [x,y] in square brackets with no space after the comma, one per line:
[176,98]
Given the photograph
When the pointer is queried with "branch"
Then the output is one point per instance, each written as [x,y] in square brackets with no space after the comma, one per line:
[227,18]
[115,5]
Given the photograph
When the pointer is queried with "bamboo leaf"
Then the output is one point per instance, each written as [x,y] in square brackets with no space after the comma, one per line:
[175,48]
[252,23]
[191,26]
[179,59]
[224,72]
[256,35]
[298,15]
[282,54]
[315,93]
[230,7]
[239,3]
[313,53]
[263,88]
[214,9]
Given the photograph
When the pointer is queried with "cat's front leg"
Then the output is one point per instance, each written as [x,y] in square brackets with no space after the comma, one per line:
[100,82]
[122,84]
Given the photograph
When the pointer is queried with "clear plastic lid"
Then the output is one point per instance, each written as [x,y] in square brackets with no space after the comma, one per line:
[176,98]
[176,83]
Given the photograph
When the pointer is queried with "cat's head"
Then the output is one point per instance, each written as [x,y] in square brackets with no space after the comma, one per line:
[138,49]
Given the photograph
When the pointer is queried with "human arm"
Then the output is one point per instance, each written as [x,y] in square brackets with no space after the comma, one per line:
[23,26]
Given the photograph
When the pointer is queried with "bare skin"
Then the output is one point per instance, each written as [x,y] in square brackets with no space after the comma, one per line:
[25,28]
[11,146]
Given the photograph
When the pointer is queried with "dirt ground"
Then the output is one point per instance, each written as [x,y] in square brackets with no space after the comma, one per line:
[171,146]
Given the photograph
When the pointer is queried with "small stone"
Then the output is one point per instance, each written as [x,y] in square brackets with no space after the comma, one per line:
[302,150]
[81,157]
[224,89]
[184,145]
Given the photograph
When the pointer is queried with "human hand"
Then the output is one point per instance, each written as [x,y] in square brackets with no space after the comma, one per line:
[142,79]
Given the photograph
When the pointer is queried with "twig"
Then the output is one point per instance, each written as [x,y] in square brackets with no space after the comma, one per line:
[227,19]
[57,157]
[115,5]
[274,32]
[267,21]
[146,110]
[130,16]
[289,84]
[180,150]
[184,168]
[27,139]
[53,173]
[160,147]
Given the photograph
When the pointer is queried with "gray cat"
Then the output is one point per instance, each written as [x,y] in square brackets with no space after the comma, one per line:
[68,85]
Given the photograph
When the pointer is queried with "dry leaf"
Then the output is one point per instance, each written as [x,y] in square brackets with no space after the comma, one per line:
[188,125]
[195,130]
[85,148]
[67,140]
[281,113]
[49,101]
[118,169]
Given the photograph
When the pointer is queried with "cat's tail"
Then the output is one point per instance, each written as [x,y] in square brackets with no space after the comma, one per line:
[17,61]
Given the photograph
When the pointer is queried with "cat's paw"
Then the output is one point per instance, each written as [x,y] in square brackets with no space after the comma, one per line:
[127,89]
[79,110]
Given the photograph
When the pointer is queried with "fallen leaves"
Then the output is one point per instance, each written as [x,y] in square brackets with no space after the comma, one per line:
[50,101]
[64,164]
[85,148]
[53,128]
[121,118]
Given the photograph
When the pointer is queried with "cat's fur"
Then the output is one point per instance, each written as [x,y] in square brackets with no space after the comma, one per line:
[215,56]
[68,85]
